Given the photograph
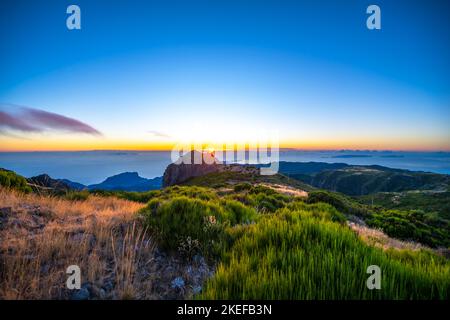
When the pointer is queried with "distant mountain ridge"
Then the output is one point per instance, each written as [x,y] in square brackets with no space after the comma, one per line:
[358,180]
[128,181]
[73,185]
[353,180]
[44,181]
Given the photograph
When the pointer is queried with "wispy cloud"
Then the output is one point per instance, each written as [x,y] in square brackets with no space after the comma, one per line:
[159,134]
[12,122]
[30,120]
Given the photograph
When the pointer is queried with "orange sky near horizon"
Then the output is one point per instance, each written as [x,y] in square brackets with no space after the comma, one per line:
[11,144]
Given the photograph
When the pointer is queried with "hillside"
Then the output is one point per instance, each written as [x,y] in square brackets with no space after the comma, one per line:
[11,180]
[126,181]
[434,203]
[44,183]
[232,175]
[361,180]
[273,246]
[40,236]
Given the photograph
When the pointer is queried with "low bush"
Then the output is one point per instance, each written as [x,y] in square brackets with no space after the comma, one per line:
[142,197]
[267,203]
[235,212]
[304,255]
[242,187]
[320,210]
[182,217]
[77,195]
[11,180]
[175,191]
[412,225]
[342,203]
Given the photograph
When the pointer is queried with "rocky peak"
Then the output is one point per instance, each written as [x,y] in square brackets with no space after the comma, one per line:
[193,164]
[45,181]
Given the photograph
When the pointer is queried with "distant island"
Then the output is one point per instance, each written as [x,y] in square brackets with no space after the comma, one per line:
[345,156]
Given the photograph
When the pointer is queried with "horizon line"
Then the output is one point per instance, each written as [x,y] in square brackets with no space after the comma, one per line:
[280,149]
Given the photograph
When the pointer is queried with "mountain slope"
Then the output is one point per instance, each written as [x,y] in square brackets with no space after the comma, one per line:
[128,181]
[73,185]
[44,182]
[361,180]
[273,246]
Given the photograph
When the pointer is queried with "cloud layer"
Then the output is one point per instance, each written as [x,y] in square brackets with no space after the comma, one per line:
[30,120]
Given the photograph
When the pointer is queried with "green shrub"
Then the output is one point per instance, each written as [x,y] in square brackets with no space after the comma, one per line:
[304,255]
[268,203]
[181,217]
[191,192]
[77,195]
[11,180]
[242,187]
[237,213]
[322,211]
[412,225]
[167,193]
[342,203]
[433,203]
[142,197]
[262,189]
[243,198]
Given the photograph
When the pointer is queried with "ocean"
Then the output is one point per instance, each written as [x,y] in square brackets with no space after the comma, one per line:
[89,167]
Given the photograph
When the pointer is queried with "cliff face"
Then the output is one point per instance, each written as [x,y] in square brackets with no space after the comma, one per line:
[190,165]
[178,173]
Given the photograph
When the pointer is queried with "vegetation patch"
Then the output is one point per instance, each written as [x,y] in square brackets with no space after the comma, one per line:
[412,225]
[433,203]
[341,202]
[11,180]
[302,254]
[198,217]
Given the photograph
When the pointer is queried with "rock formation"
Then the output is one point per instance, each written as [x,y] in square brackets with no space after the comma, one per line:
[193,164]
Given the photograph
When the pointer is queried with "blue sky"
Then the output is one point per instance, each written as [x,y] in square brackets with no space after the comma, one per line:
[309,69]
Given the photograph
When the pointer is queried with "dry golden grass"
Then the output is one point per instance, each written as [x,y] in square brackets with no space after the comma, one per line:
[378,238]
[41,236]
[287,190]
